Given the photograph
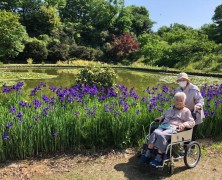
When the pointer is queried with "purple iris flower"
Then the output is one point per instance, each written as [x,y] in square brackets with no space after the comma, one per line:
[5,136]
[137,112]
[36,118]
[52,88]
[143,99]
[37,103]
[134,103]
[22,104]
[55,134]
[45,98]
[13,109]
[116,113]
[52,100]
[125,107]
[9,125]
[42,84]
[93,112]
[19,115]
[102,89]
[160,109]
[6,90]
[134,95]
[111,92]
[154,88]
[206,113]
[107,108]
[150,108]
[165,89]
[45,110]
[18,86]
[121,101]
[76,114]
[45,113]
[102,98]
[33,92]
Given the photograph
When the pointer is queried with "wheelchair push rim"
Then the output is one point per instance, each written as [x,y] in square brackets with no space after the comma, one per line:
[192,154]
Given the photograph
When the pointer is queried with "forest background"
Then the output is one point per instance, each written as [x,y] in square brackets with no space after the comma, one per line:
[48,31]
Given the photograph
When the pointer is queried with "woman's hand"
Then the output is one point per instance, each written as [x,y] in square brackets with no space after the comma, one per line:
[197,107]
[181,127]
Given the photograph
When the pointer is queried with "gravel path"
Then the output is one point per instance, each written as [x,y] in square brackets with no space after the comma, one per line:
[113,165]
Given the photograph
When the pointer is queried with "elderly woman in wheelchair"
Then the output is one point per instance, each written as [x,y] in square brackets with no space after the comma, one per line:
[172,123]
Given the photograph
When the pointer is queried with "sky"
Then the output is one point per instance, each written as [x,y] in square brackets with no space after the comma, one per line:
[194,13]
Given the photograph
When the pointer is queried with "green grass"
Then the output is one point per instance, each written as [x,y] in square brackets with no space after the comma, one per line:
[10,78]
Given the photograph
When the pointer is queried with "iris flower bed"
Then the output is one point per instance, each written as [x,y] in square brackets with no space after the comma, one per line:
[59,119]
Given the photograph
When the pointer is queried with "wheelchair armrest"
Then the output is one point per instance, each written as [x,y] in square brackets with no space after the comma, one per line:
[185,129]
[159,119]
[182,136]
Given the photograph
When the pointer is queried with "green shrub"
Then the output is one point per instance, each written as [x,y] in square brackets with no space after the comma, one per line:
[29,61]
[36,50]
[82,52]
[57,51]
[101,77]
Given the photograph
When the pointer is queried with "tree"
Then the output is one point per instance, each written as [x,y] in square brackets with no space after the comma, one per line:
[217,29]
[212,31]
[123,22]
[77,11]
[185,52]
[35,49]
[59,4]
[117,3]
[133,19]
[140,20]
[43,21]
[152,48]
[123,46]
[103,16]
[9,5]
[57,50]
[185,46]
[178,33]
[12,35]
[26,7]
[217,17]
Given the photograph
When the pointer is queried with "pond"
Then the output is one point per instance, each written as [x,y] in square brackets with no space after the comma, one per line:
[66,78]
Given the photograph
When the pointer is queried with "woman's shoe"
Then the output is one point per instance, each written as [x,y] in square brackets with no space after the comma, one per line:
[144,159]
[155,163]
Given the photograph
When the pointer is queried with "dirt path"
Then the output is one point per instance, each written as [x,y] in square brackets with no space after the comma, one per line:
[114,165]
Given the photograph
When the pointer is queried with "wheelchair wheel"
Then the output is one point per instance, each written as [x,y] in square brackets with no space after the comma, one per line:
[192,154]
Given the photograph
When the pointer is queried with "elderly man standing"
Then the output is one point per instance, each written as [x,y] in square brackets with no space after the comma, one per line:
[194,101]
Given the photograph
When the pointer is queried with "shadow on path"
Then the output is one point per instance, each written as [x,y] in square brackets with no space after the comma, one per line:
[133,170]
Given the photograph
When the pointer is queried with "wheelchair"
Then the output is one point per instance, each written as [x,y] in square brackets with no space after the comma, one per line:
[180,146]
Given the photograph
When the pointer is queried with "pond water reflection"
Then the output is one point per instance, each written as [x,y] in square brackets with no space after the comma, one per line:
[130,78]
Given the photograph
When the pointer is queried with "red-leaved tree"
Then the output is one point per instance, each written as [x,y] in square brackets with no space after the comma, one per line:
[123,46]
